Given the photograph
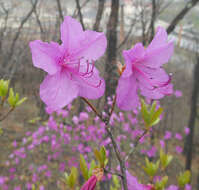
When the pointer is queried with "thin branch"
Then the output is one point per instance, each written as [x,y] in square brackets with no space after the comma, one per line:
[11,52]
[93,108]
[60,10]
[112,173]
[6,115]
[135,145]
[80,14]
[99,15]
[181,15]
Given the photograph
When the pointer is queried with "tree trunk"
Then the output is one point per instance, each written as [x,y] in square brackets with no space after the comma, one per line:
[188,146]
[100,10]
[110,67]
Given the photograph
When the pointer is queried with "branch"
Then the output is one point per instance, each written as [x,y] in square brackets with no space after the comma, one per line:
[80,14]
[99,15]
[135,145]
[11,52]
[60,10]
[6,115]
[181,15]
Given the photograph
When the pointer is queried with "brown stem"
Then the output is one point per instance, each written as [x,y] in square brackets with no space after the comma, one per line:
[115,147]
[93,108]
[6,115]
[113,106]
[112,173]
[135,144]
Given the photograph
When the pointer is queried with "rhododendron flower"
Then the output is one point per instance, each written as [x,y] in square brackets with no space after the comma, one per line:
[70,66]
[133,183]
[90,184]
[143,71]
[172,187]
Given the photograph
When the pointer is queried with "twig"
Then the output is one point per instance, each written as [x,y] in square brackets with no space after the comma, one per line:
[112,173]
[115,147]
[135,145]
[113,106]
[6,115]
[93,108]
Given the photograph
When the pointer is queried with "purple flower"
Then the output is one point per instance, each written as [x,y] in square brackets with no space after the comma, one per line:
[133,183]
[172,187]
[178,93]
[70,66]
[90,184]
[143,72]
[188,187]
[179,149]
[167,135]
[186,130]
[178,136]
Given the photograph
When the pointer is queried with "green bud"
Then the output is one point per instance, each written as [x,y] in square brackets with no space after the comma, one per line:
[151,168]
[84,168]
[184,178]
[13,99]
[4,87]
[165,159]
[150,116]
[160,185]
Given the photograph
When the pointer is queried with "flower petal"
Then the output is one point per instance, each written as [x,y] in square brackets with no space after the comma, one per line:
[45,55]
[131,56]
[92,46]
[159,39]
[127,98]
[58,90]
[157,93]
[91,86]
[159,56]
[71,34]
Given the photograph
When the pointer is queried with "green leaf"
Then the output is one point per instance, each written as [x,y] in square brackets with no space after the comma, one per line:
[92,166]
[21,101]
[4,84]
[103,155]
[184,178]
[83,167]
[160,185]
[151,168]
[145,113]
[156,117]
[98,157]
[72,178]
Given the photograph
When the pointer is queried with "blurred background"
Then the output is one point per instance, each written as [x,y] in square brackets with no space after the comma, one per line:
[124,22]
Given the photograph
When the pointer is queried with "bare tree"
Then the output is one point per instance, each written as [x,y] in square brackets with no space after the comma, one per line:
[99,14]
[181,15]
[80,14]
[16,37]
[60,10]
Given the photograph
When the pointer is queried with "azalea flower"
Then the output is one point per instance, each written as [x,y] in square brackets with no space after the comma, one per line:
[90,184]
[133,184]
[70,66]
[143,71]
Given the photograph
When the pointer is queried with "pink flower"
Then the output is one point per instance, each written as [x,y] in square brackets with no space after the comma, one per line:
[133,183]
[144,72]
[178,93]
[179,149]
[172,187]
[70,66]
[186,130]
[90,184]
[178,136]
